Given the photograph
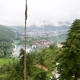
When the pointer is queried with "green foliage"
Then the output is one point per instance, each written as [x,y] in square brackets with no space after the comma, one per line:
[15,71]
[51,46]
[41,75]
[6,36]
[47,57]
[70,59]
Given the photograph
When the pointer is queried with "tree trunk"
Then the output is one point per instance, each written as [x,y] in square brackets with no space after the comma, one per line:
[75,77]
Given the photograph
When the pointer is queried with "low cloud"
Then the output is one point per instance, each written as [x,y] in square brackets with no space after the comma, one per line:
[40,12]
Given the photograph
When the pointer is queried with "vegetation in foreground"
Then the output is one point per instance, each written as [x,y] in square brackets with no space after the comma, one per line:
[69,63]
[68,58]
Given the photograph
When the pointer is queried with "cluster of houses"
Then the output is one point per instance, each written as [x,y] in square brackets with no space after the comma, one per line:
[41,44]
[44,43]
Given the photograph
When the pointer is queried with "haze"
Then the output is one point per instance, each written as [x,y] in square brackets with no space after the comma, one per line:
[40,12]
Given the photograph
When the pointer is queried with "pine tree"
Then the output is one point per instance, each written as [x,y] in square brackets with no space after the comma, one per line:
[69,67]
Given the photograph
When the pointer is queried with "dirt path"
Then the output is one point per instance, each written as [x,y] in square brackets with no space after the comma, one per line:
[43,67]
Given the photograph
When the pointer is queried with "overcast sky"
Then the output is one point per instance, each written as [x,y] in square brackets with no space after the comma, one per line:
[40,12]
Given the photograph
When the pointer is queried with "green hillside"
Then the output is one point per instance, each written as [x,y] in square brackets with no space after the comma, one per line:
[6,34]
[6,37]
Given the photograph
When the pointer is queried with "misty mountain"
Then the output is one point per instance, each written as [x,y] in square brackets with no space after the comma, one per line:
[48,27]
[20,29]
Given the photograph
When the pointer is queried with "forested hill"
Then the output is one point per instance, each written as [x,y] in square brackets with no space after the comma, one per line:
[6,37]
[6,33]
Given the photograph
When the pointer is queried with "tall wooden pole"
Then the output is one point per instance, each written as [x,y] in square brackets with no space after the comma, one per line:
[25,71]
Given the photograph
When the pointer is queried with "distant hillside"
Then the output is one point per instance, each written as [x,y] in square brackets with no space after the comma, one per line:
[48,27]
[20,29]
[6,33]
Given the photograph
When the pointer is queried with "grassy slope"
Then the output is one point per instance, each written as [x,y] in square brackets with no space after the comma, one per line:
[5,61]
